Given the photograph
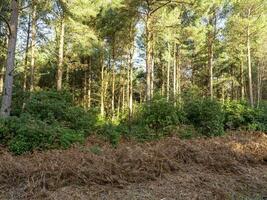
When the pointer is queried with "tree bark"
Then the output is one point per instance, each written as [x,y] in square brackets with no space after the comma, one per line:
[251,98]
[242,92]
[113,80]
[8,85]
[168,71]
[61,56]
[26,55]
[33,43]
[148,58]
[102,106]
[174,70]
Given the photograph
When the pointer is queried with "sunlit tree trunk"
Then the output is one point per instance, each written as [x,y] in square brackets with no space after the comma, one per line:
[8,85]
[2,73]
[113,79]
[26,55]
[210,65]
[102,98]
[168,71]
[242,92]
[33,45]
[251,98]
[61,56]
[178,73]
[174,70]
[152,70]
[89,82]
[149,44]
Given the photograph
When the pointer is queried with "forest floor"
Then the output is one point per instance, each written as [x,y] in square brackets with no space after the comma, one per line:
[229,167]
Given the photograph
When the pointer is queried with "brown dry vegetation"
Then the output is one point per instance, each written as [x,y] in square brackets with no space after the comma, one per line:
[229,167]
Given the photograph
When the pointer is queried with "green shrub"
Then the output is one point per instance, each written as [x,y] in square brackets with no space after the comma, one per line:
[27,134]
[48,105]
[240,115]
[69,137]
[206,115]
[154,119]
[111,132]
[159,114]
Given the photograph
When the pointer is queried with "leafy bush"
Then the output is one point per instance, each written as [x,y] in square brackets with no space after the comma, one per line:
[48,105]
[154,119]
[240,115]
[159,114]
[206,115]
[27,134]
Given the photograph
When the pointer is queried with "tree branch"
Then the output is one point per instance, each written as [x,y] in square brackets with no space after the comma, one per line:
[8,26]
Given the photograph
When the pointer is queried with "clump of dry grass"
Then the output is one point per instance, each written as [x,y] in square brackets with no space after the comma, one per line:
[214,168]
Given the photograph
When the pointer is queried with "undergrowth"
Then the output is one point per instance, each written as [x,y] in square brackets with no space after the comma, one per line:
[49,119]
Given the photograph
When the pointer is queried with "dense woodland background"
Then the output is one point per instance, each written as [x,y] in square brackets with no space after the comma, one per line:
[142,68]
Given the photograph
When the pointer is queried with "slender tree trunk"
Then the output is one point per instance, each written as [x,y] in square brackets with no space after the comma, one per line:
[89,82]
[148,58]
[131,87]
[102,106]
[210,65]
[251,98]
[168,72]
[26,55]
[242,92]
[8,85]
[178,72]
[163,79]
[33,43]
[2,74]
[61,56]
[152,70]
[259,84]
[174,70]
[113,80]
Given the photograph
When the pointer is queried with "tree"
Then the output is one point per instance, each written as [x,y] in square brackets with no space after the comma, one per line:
[8,85]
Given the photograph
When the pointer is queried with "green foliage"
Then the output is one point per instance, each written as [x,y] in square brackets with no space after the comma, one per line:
[48,105]
[154,120]
[240,115]
[206,115]
[27,134]
[159,114]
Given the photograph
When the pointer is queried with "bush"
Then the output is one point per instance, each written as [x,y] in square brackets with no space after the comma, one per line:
[159,114]
[240,115]
[154,119]
[27,134]
[206,115]
[48,105]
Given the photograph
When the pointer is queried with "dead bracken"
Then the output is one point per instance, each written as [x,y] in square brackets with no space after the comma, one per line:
[229,167]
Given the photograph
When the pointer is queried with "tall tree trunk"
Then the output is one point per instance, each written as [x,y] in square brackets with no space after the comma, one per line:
[8,85]
[61,56]
[131,86]
[152,69]
[148,58]
[33,43]
[251,98]
[242,92]
[102,98]
[259,84]
[26,55]
[89,82]
[113,79]
[174,70]
[168,71]
[178,72]
[210,65]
